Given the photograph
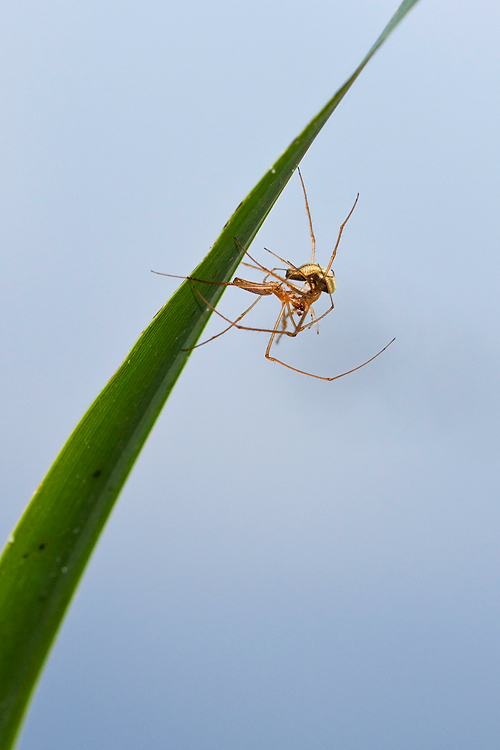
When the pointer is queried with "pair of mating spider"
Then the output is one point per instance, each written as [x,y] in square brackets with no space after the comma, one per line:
[296,301]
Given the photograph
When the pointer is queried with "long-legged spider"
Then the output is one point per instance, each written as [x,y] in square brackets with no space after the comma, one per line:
[296,302]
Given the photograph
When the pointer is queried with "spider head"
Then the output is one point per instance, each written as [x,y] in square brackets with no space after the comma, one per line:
[315,276]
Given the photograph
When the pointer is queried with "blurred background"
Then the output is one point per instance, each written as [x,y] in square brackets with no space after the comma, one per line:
[293,563]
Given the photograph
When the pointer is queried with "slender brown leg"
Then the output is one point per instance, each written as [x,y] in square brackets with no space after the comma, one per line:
[297,326]
[249,265]
[192,278]
[313,320]
[340,235]
[308,216]
[287,262]
[287,314]
[225,329]
[308,325]
[318,377]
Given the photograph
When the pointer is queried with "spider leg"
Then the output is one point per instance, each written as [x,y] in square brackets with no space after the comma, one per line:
[316,320]
[287,312]
[318,377]
[193,278]
[340,235]
[294,268]
[271,272]
[275,331]
[225,329]
[287,315]
[313,239]
[249,265]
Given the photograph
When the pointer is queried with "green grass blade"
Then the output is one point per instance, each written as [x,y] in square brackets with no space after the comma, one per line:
[45,557]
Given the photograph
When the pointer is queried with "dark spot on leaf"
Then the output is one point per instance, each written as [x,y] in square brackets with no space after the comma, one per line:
[97,473]
[26,554]
[41,546]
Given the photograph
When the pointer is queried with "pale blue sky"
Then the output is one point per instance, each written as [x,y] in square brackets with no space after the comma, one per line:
[292,564]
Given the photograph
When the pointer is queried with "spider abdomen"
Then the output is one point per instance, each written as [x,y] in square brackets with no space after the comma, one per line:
[315,275]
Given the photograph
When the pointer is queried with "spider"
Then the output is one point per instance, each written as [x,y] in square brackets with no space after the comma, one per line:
[296,301]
